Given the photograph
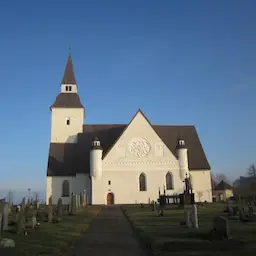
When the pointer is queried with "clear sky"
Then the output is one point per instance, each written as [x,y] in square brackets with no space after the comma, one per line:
[181,62]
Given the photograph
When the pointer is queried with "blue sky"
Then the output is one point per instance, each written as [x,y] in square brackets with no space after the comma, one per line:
[181,62]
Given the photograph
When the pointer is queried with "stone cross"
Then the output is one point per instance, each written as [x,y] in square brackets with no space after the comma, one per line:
[194,216]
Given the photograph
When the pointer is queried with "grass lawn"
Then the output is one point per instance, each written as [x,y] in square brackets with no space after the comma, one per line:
[165,236]
[51,238]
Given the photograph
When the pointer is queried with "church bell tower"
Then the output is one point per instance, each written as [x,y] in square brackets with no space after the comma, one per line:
[67,111]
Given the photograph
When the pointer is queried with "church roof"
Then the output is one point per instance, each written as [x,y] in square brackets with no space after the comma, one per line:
[223,186]
[69,75]
[69,159]
[67,100]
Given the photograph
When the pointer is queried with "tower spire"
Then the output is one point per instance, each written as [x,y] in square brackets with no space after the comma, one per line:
[69,50]
[69,76]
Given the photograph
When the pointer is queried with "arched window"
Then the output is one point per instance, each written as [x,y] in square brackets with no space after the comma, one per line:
[65,188]
[143,182]
[169,181]
[67,121]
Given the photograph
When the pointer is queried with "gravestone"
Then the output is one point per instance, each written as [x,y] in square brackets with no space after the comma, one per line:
[77,202]
[153,206]
[250,213]
[59,208]
[20,225]
[188,218]
[241,215]
[81,198]
[194,217]
[221,226]
[5,212]
[73,204]
[50,214]
[1,217]
[7,242]
[34,219]
[235,210]
[85,199]
[229,209]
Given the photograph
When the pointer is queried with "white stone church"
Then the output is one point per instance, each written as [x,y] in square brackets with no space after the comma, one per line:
[120,163]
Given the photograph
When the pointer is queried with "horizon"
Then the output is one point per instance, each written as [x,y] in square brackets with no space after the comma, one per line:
[181,63]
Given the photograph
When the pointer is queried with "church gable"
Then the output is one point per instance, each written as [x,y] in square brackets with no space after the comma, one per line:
[139,144]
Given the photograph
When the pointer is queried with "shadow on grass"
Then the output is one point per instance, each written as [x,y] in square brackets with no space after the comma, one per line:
[165,234]
[50,238]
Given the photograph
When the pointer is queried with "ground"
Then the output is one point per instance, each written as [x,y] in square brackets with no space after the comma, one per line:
[164,234]
[51,238]
[110,234]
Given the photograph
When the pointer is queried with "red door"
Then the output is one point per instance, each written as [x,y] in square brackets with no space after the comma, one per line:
[110,198]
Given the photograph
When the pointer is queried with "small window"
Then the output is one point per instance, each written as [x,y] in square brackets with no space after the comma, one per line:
[68,121]
[142,182]
[67,88]
[169,181]
[70,88]
[109,182]
[65,188]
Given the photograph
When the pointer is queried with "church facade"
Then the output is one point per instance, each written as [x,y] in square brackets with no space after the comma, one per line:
[120,163]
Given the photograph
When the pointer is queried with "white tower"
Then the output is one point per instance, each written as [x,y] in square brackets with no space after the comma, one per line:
[96,159]
[182,153]
[67,111]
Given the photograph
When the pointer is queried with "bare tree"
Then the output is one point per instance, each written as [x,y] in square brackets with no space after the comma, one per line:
[200,194]
[220,177]
[251,171]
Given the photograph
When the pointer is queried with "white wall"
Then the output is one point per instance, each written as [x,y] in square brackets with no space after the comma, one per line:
[122,168]
[54,186]
[60,131]
[73,88]
[201,183]
[125,186]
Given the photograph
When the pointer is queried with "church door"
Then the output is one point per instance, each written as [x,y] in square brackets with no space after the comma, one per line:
[110,198]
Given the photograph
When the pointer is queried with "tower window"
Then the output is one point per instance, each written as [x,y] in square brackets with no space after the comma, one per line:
[68,121]
[68,88]
[109,182]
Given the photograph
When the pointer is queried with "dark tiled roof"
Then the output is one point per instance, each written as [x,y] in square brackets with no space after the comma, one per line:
[67,100]
[222,186]
[61,159]
[68,159]
[69,75]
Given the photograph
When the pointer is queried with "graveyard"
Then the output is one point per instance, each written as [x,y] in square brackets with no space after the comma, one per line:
[33,229]
[168,231]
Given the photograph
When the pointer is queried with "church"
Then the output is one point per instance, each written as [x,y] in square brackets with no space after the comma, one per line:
[120,163]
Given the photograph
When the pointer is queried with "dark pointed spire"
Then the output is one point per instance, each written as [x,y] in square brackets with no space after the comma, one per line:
[69,76]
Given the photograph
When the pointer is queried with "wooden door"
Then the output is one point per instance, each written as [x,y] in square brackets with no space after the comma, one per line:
[110,198]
